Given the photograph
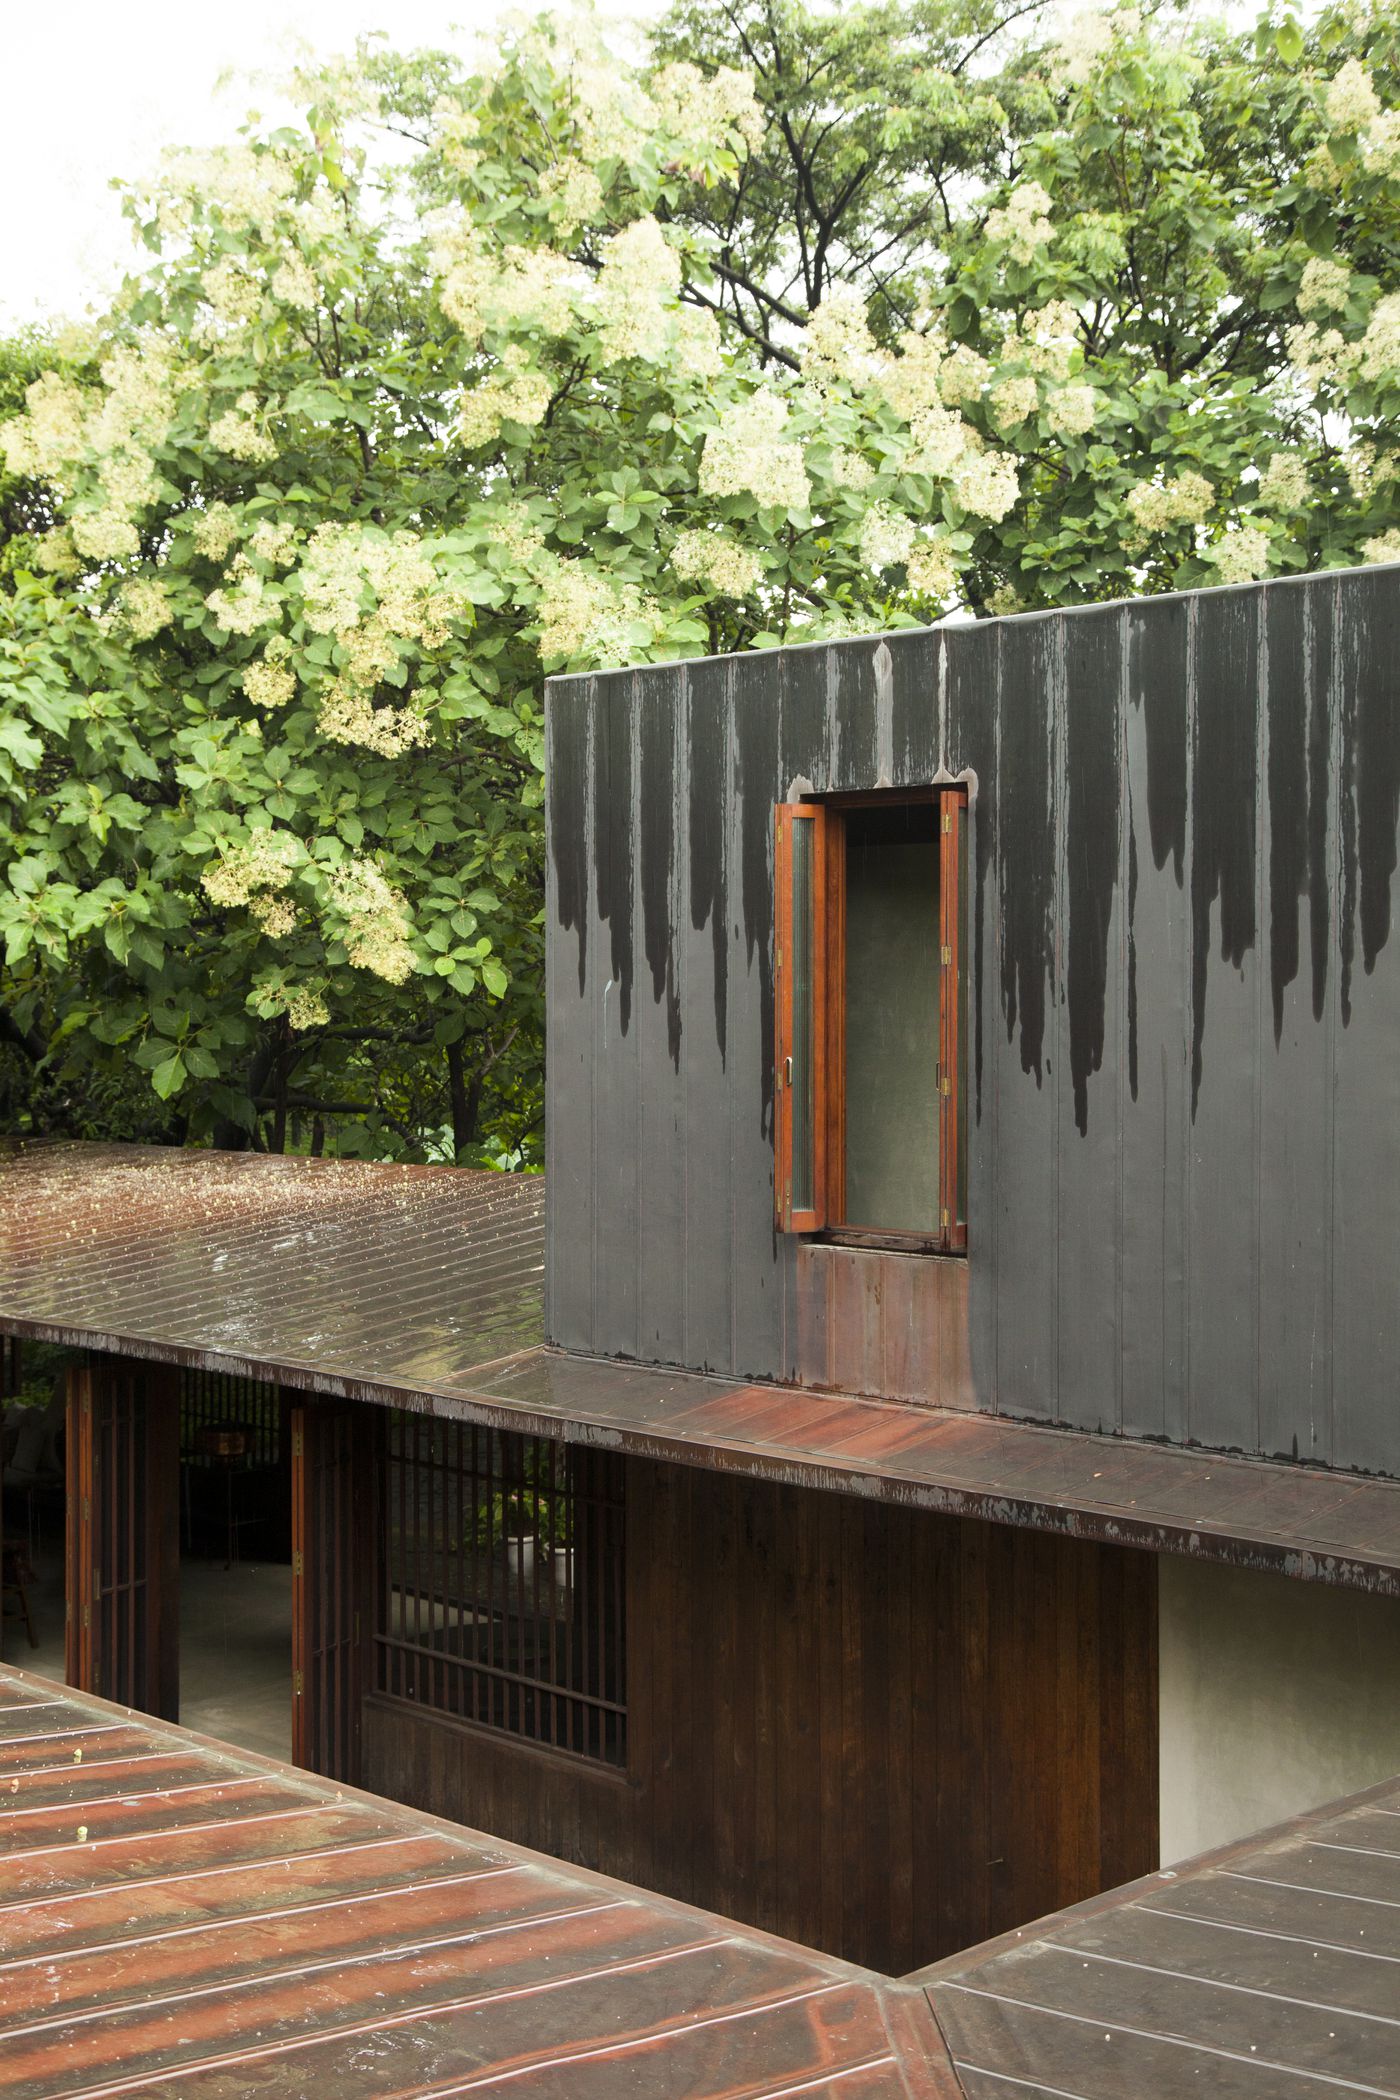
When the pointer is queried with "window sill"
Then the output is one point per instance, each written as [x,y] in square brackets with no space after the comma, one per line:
[893,1242]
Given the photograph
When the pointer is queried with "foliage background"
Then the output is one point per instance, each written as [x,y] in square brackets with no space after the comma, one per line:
[789,324]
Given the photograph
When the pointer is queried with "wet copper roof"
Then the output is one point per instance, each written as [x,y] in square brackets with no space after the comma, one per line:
[1270,1967]
[422,1286]
[183,1918]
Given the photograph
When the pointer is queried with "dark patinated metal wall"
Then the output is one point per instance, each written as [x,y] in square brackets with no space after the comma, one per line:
[1184,1153]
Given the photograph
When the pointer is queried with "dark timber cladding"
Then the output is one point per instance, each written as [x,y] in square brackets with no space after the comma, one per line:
[878,1731]
[1266,1968]
[177,1917]
[1184,1098]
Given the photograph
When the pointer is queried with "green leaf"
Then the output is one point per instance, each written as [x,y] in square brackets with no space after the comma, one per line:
[169,1076]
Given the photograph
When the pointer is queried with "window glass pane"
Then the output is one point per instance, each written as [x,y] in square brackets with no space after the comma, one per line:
[892,972]
[803,1076]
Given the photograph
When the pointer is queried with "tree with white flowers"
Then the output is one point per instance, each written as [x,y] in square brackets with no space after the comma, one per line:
[474,375]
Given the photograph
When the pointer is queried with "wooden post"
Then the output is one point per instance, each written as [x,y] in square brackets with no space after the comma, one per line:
[122,1636]
[336,1554]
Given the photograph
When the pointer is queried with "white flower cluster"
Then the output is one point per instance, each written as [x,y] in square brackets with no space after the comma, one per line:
[637,288]
[584,613]
[849,470]
[274,542]
[1013,400]
[986,484]
[1072,411]
[239,433]
[1242,555]
[305,1008]
[55,553]
[573,193]
[1045,339]
[269,681]
[294,284]
[837,346]
[232,293]
[697,349]
[717,561]
[145,607]
[698,117]
[1384,548]
[963,374]
[1022,225]
[516,393]
[1283,485]
[259,866]
[1355,110]
[347,715]
[1322,356]
[1184,500]
[506,289]
[749,453]
[241,604]
[1351,102]
[99,444]
[249,187]
[886,537]
[1324,286]
[1085,40]
[933,568]
[1379,356]
[214,530]
[377,923]
[360,577]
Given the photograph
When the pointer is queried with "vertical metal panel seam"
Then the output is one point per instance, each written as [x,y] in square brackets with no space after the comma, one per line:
[1263,847]
[551,902]
[634,804]
[596,1001]
[1120,1103]
[1059,791]
[1183,1428]
[733,872]
[991,997]
[682,788]
[1336,788]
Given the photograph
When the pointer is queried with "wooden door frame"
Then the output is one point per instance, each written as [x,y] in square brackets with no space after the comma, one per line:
[336,1554]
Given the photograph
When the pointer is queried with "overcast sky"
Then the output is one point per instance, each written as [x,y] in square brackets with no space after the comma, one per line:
[96,87]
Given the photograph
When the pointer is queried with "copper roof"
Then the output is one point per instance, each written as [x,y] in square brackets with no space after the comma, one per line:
[1267,1968]
[422,1286]
[183,1918]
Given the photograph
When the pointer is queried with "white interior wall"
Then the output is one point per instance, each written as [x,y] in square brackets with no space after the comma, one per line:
[1276,1696]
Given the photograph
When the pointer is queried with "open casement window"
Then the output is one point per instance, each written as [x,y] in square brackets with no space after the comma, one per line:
[871,1019]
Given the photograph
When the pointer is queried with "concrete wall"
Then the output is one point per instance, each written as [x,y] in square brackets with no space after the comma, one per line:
[1275,1696]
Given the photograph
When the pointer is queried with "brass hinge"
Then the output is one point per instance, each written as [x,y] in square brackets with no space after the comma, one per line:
[947,820]
[946,1220]
[946,1084]
[296,1443]
[947,955]
[296,1684]
[296,1564]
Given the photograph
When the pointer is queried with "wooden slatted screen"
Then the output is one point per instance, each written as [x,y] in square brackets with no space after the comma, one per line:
[333,1491]
[503,1583]
[123,1543]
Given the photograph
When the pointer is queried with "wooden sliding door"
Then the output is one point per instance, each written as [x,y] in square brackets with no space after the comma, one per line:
[334,1542]
[123,1461]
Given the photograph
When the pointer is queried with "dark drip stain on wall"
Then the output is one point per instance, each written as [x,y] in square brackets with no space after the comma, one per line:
[1093,659]
[1157,670]
[568,833]
[709,765]
[1224,806]
[756,717]
[1292,791]
[1026,835]
[612,827]
[658,708]
[1371,722]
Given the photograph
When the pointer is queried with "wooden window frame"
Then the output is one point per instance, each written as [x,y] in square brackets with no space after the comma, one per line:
[826,1213]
